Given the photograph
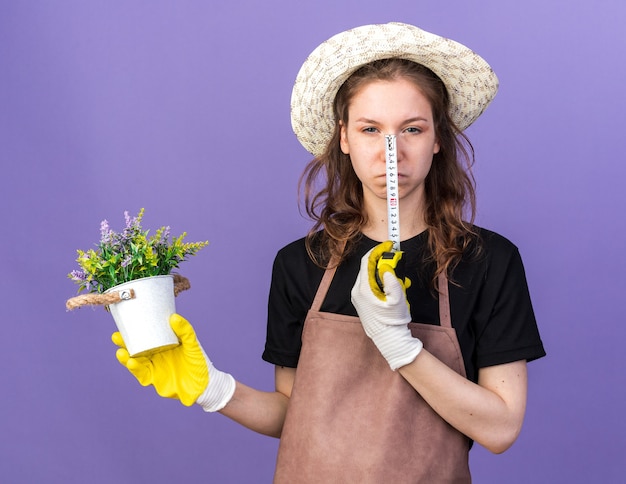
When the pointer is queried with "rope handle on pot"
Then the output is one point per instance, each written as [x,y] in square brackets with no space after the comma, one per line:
[180,284]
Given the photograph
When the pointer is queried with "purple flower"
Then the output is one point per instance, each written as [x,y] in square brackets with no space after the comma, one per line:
[165,235]
[126,261]
[78,276]
[129,220]
[105,232]
[133,227]
[128,230]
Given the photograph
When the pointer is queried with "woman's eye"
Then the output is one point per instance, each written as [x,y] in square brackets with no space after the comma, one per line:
[370,130]
[413,129]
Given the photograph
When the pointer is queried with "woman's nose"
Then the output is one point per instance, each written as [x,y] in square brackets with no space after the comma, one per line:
[392,148]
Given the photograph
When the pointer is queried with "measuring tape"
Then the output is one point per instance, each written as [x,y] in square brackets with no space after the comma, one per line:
[393,198]
[391,259]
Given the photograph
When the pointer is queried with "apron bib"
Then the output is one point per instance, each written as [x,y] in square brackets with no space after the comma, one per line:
[351,419]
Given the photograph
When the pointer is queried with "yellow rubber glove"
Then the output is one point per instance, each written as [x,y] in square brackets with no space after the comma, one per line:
[385,313]
[376,264]
[182,372]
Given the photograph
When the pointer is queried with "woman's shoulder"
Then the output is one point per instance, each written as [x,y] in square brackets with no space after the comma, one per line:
[294,270]
[488,249]
[293,248]
[493,243]
[492,254]
[295,255]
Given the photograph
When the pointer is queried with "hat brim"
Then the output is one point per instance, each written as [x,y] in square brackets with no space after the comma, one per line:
[469,80]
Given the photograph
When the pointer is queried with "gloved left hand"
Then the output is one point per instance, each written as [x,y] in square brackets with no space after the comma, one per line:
[385,313]
[184,372]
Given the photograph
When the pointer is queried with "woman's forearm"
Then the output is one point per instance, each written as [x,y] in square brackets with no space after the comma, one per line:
[263,412]
[490,412]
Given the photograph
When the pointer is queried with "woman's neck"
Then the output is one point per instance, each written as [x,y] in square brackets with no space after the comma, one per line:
[411,222]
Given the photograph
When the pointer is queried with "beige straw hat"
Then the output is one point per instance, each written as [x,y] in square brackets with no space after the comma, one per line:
[470,82]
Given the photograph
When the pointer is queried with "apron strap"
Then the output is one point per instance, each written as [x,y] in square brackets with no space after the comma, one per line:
[320,295]
[445,319]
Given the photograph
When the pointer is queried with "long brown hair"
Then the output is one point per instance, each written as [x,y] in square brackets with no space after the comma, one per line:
[333,195]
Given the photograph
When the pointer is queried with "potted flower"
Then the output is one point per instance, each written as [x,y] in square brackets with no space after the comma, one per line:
[130,273]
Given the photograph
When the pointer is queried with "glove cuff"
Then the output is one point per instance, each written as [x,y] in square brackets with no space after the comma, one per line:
[218,392]
[407,357]
[398,346]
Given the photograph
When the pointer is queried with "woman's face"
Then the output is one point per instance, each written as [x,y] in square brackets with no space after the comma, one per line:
[390,107]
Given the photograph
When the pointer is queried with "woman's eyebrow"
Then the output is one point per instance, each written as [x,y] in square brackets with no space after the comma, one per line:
[416,118]
[366,120]
[408,120]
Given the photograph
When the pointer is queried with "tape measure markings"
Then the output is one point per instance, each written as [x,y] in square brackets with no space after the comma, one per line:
[393,198]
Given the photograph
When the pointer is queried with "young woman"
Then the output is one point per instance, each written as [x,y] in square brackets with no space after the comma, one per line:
[386,383]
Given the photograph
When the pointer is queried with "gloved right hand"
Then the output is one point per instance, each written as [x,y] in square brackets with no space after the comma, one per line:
[184,372]
[384,313]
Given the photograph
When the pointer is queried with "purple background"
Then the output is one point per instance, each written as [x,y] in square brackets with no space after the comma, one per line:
[183,108]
